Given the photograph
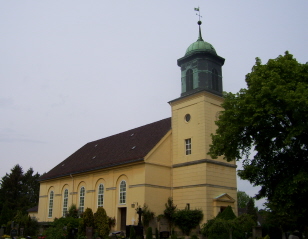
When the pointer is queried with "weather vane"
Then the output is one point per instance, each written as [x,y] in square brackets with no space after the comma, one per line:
[198,10]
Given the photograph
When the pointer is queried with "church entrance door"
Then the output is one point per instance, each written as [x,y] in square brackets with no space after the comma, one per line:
[123,218]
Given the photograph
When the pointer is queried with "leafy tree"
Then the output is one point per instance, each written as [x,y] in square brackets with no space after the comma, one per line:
[252,210]
[147,215]
[270,117]
[87,221]
[101,222]
[187,219]
[19,191]
[88,218]
[242,199]
[169,212]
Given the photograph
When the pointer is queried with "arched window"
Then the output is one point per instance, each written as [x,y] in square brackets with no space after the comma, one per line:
[189,80]
[50,207]
[122,192]
[215,79]
[81,199]
[65,202]
[100,199]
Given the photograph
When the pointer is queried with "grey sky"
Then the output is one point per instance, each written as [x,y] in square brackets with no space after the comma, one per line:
[75,71]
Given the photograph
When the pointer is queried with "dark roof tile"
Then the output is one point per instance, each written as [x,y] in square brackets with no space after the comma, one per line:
[129,146]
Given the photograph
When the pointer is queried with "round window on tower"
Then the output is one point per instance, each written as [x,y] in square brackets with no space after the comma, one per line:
[187,117]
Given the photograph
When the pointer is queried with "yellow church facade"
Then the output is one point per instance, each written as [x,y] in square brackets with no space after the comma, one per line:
[151,163]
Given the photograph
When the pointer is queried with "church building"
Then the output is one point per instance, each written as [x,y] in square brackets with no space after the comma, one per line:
[151,163]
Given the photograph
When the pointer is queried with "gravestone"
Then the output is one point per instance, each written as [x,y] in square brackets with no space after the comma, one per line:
[163,225]
[257,232]
[13,233]
[164,235]
[89,232]
[21,232]
[138,230]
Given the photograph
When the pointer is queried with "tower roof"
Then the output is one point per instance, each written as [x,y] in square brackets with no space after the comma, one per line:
[200,45]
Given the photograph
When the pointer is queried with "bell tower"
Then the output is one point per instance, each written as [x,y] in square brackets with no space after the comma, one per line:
[201,68]
[198,180]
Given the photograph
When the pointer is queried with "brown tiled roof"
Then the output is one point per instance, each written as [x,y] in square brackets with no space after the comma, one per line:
[130,146]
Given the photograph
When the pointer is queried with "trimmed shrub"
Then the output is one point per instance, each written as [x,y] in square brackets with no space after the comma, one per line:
[156,234]
[149,234]
[187,219]
[132,233]
[101,222]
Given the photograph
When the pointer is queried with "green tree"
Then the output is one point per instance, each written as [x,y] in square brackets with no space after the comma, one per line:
[169,212]
[270,117]
[87,221]
[242,199]
[19,191]
[101,222]
[88,218]
[147,215]
[252,210]
[187,219]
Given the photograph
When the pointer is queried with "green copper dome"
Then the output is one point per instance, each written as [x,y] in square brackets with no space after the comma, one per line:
[200,46]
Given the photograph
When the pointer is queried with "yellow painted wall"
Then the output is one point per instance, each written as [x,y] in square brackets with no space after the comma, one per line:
[151,177]
[133,174]
[197,178]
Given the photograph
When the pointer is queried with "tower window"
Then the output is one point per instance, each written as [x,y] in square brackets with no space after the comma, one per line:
[188,146]
[215,79]
[189,80]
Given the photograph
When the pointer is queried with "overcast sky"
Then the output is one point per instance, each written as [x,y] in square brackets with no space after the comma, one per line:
[75,71]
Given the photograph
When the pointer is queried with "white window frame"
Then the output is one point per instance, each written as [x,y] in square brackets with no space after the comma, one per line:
[82,193]
[122,192]
[188,146]
[65,202]
[100,195]
[50,205]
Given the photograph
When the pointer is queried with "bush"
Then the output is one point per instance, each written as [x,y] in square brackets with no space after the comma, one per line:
[147,215]
[187,219]
[149,234]
[226,224]
[62,227]
[101,222]
[156,233]
[132,233]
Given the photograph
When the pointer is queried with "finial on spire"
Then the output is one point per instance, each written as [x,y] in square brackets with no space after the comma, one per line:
[199,23]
